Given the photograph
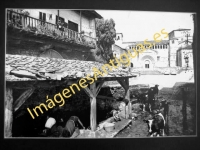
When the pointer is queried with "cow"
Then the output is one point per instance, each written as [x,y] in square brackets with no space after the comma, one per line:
[156,125]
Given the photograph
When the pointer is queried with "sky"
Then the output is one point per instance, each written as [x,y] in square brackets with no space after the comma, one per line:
[141,25]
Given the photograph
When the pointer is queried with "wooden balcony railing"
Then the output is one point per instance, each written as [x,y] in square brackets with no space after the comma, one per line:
[89,39]
[23,21]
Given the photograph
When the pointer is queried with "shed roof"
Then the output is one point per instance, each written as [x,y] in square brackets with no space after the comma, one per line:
[26,68]
[91,13]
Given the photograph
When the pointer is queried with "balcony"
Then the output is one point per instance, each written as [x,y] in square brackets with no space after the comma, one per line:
[23,22]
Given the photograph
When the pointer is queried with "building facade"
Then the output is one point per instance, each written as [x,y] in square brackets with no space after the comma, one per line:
[156,56]
[182,53]
[75,20]
[177,39]
[68,34]
[161,54]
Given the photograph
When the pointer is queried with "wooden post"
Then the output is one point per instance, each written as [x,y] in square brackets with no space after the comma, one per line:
[92,93]
[184,110]
[127,96]
[23,97]
[125,84]
[127,91]
[8,112]
[98,88]
[93,121]
[58,16]
[80,21]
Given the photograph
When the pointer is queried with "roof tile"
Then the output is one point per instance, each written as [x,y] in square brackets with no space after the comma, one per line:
[20,67]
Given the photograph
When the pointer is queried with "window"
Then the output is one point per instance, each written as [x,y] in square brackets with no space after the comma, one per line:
[156,47]
[60,18]
[73,26]
[172,41]
[42,16]
[61,23]
[158,58]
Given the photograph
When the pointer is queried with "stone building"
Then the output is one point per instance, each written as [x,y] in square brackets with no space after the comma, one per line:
[162,54]
[183,52]
[156,56]
[177,39]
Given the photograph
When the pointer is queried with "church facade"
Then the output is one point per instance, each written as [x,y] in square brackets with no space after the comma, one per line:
[156,56]
[161,54]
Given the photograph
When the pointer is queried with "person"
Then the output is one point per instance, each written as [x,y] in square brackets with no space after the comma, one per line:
[71,128]
[60,26]
[156,90]
[151,99]
[126,101]
[123,108]
[50,125]
[116,116]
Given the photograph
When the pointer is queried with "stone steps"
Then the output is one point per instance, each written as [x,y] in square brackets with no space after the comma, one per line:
[150,72]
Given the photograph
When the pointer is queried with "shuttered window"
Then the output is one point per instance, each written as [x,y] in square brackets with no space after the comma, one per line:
[73,26]
[42,16]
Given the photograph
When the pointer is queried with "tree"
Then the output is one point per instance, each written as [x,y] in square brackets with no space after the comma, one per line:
[105,32]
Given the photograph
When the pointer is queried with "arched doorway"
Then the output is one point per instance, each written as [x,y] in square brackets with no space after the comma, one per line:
[147,62]
[51,54]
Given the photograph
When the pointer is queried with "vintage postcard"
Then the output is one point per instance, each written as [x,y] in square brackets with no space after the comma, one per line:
[99,74]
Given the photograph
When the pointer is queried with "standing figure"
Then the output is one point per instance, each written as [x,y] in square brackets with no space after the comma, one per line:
[156,90]
[151,98]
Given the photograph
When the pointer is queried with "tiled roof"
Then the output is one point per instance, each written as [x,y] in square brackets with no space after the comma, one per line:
[24,68]
[152,42]
[180,29]
[185,47]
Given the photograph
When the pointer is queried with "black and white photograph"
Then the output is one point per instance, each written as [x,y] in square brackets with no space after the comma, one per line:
[94,73]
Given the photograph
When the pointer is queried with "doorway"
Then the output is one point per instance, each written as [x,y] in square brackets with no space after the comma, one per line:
[147,64]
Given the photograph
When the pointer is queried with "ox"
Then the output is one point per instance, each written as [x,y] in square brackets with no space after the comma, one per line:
[156,125]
